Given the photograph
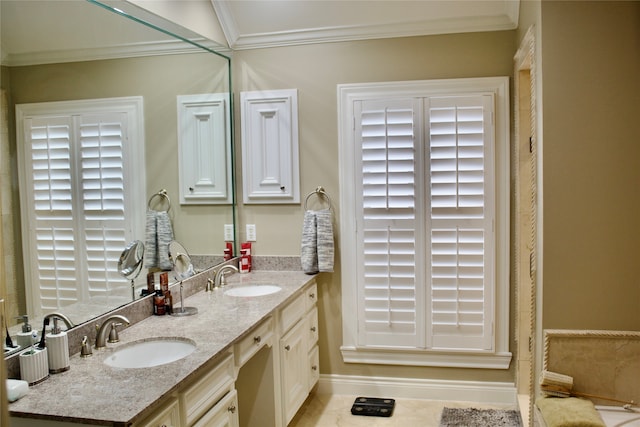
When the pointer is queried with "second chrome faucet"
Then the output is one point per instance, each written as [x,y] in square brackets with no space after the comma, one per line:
[218,277]
[106,328]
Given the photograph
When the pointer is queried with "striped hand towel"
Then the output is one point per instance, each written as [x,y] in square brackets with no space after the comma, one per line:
[158,234]
[317,251]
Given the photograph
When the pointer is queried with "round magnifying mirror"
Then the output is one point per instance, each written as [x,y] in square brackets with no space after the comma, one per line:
[130,263]
[183,269]
[182,265]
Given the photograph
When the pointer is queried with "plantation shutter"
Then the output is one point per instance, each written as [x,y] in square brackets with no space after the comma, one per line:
[51,214]
[425,222]
[74,167]
[460,236]
[387,217]
[102,178]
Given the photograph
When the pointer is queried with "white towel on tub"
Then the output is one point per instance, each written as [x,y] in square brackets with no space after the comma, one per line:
[317,249]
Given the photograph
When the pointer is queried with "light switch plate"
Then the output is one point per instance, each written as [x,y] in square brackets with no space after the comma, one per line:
[228,232]
[251,232]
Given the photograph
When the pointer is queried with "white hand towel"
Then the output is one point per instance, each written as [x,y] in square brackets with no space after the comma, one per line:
[317,251]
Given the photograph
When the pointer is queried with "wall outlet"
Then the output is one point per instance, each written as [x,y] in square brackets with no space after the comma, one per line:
[228,232]
[251,232]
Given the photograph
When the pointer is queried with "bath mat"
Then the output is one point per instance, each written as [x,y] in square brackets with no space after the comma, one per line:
[472,417]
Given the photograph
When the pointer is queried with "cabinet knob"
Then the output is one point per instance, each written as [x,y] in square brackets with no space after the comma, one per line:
[232,409]
[191,189]
[313,329]
[314,368]
[257,339]
[282,188]
[312,295]
[287,347]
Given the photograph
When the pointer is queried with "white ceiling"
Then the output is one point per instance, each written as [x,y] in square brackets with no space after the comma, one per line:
[249,24]
[45,31]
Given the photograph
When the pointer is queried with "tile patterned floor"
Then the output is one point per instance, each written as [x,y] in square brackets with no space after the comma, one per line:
[331,410]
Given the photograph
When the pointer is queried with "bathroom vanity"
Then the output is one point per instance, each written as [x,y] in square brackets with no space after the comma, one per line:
[255,358]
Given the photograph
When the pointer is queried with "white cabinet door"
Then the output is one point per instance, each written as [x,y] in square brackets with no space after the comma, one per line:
[270,163]
[204,153]
[294,364]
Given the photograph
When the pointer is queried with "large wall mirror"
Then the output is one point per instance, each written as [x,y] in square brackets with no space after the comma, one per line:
[58,50]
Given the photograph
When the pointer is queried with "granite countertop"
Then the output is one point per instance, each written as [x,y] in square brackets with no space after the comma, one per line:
[93,393]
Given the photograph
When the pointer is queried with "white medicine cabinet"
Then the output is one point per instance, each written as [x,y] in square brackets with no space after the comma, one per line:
[270,163]
[204,149]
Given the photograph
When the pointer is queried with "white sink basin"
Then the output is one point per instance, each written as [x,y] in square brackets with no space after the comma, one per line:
[252,290]
[148,353]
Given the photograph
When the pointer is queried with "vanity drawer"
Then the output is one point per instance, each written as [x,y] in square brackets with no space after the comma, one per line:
[260,336]
[312,327]
[198,398]
[312,296]
[292,313]
[225,413]
[314,367]
[168,415]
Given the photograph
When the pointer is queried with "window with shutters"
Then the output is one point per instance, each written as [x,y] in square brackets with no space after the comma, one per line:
[424,222]
[82,180]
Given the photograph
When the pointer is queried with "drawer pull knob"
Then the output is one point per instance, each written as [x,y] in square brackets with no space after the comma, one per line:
[257,339]
[314,367]
[287,347]
[312,295]
[232,409]
[313,329]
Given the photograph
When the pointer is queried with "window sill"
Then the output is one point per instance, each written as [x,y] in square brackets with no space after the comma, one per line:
[451,359]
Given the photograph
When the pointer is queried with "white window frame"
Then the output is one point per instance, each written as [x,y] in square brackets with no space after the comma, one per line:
[134,178]
[348,94]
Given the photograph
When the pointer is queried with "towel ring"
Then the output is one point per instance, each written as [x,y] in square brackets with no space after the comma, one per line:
[319,191]
[163,195]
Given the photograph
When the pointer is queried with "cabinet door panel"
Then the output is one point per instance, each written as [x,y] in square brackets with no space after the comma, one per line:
[294,366]
[270,161]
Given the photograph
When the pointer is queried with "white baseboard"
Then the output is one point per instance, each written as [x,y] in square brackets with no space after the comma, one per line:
[411,388]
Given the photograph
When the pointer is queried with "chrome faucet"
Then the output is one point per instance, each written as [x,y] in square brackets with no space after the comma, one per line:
[55,317]
[104,329]
[218,278]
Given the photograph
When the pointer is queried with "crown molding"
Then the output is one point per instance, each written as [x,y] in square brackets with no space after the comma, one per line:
[171,47]
[507,20]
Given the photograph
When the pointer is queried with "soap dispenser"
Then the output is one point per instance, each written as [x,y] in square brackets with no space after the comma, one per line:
[28,336]
[58,344]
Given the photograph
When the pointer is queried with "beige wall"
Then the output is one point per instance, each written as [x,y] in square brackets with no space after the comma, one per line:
[591,164]
[315,70]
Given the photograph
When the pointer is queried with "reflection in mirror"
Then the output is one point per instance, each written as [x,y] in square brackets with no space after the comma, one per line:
[59,50]
[130,263]
[182,265]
